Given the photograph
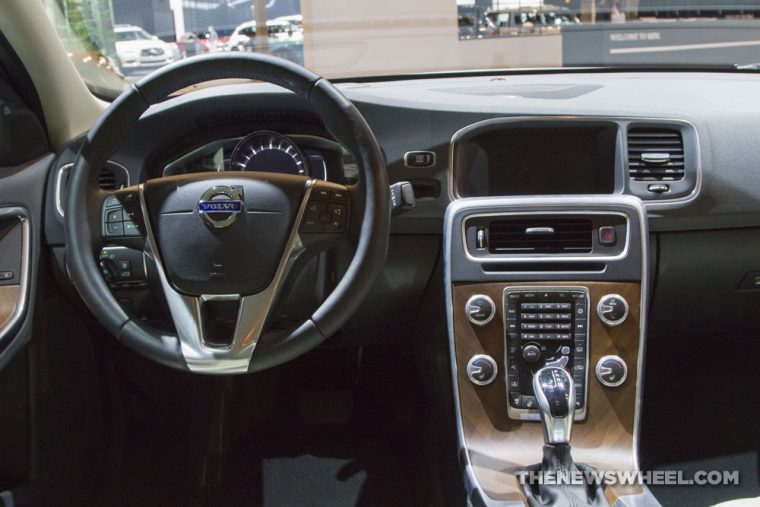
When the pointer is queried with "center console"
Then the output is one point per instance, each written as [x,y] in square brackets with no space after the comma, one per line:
[544,283]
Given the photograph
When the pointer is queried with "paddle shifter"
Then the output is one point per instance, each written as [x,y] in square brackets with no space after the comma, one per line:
[555,394]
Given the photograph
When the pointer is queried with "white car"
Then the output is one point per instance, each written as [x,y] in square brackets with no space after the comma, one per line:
[284,39]
[137,50]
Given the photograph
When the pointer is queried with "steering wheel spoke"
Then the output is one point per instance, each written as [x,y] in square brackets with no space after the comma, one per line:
[245,316]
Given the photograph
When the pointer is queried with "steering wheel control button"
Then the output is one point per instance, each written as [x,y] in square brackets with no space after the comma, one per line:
[531,353]
[612,310]
[326,212]
[114,215]
[115,229]
[480,309]
[321,194]
[121,215]
[611,371]
[338,196]
[481,370]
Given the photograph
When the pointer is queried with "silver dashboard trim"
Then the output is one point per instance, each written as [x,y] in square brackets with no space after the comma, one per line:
[252,314]
[471,483]
[59,175]
[663,204]
[24,278]
[64,169]
[545,257]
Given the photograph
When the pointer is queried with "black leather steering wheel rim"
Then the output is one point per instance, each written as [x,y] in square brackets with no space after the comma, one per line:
[84,200]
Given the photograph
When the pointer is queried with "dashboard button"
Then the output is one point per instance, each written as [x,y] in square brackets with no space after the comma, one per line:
[414,159]
[612,310]
[607,235]
[481,369]
[480,309]
[611,371]
[531,353]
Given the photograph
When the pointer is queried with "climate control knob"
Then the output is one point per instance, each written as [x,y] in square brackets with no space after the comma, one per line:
[482,370]
[480,309]
[611,371]
[612,310]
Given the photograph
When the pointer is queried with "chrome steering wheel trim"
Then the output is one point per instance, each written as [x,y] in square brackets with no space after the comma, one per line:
[254,310]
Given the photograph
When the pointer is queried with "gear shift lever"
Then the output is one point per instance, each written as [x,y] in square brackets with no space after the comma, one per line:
[555,394]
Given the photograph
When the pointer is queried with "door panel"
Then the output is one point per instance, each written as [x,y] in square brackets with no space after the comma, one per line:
[21,204]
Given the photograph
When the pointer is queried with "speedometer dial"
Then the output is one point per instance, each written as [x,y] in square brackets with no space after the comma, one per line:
[268,151]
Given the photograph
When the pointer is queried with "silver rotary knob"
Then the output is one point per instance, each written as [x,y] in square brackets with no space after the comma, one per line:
[612,310]
[480,309]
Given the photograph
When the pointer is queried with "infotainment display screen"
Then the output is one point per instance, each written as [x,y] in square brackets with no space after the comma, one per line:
[539,160]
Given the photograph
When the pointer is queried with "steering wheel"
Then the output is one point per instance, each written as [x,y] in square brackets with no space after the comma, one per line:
[228,238]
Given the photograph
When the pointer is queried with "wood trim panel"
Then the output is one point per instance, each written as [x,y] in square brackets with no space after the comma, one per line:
[498,446]
[9,295]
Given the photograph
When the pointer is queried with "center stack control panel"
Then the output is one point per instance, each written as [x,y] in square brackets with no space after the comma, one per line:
[545,326]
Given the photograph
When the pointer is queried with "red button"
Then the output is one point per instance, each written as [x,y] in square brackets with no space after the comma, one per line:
[607,236]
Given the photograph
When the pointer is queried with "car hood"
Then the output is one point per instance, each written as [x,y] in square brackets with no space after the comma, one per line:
[137,45]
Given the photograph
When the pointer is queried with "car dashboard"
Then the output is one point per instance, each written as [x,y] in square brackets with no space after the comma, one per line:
[568,218]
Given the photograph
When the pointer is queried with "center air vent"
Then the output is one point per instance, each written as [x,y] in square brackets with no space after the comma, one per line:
[655,154]
[540,235]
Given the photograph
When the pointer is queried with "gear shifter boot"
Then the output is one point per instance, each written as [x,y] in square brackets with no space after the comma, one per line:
[560,491]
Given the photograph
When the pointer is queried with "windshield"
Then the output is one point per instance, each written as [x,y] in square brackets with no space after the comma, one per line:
[401,37]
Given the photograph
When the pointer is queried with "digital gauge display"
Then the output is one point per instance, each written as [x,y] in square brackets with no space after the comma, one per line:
[268,151]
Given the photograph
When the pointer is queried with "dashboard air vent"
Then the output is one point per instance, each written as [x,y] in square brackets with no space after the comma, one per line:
[107,179]
[655,154]
[521,235]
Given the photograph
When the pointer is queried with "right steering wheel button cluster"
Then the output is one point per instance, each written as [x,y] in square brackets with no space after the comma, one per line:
[326,211]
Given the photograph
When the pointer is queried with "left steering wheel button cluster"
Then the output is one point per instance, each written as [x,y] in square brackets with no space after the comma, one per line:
[121,216]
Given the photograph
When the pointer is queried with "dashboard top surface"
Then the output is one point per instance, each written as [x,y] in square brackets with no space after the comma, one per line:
[424,114]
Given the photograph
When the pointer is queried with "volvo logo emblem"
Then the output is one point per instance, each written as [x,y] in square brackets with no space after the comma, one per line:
[221,206]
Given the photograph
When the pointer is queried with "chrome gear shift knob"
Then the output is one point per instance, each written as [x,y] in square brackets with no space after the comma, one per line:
[555,393]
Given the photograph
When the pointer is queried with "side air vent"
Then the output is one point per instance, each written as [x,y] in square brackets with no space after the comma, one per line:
[655,154]
[540,235]
[107,179]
